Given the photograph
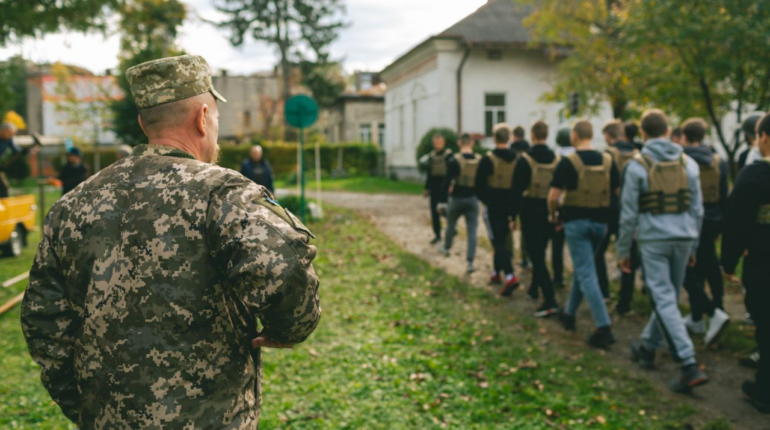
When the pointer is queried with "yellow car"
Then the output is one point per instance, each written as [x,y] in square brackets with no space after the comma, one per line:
[17,219]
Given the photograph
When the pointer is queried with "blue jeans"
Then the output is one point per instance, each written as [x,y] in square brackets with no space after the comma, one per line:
[584,236]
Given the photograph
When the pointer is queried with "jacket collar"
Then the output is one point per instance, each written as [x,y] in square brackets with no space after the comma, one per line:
[144,150]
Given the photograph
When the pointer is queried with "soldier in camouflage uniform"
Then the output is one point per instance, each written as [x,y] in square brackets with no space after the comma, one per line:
[143,300]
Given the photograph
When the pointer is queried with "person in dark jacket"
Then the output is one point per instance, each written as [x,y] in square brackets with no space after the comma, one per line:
[74,172]
[713,179]
[747,236]
[258,169]
[519,143]
[434,182]
[750,154]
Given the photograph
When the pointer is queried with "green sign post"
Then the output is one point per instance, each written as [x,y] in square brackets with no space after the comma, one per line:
[301,111]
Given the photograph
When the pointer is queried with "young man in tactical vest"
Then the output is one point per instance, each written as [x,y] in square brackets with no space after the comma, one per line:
[713,180]
[520,146]
[747,235]
[589,179]
[434,184]
[461,184]
[661,201]
[494,181]
[622,152]
[531,181]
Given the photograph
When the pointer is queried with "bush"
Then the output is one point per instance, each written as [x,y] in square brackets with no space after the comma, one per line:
[107,157]
[426,143]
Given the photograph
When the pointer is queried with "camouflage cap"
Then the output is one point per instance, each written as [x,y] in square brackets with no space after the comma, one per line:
[170,79]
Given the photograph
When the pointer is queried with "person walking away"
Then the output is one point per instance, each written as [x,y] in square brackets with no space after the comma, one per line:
[752,153]
[494,181]
[74,172]
[151,278]
[461,185]
[661,200]
[747,236]
[531,181]
[9,152]
[258,169]
[676,135]
[622,152]
[520,146]
[565,148]
[631,131]
[588,179]
[713,180]
[434,183]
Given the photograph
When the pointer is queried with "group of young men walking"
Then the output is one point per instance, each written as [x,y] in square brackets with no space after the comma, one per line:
[665,203]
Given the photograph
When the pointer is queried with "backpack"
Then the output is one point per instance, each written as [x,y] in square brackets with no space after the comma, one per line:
[710,177]
[438,162]
[668,186]
[542,174]
[468,168]
[621,157]
[502,172]
[593,185]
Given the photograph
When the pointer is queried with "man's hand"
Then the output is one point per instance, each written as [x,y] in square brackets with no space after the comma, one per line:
[733,279]
[265,342]
[693,261]
[625,265]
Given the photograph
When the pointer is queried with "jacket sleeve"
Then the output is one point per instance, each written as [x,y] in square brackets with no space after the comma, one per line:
[724,187]
[629,208]
[49,324]
[265,259]
[521,181]
[696,197]
[452,171]
[739,219]
[482,173]
[269,177]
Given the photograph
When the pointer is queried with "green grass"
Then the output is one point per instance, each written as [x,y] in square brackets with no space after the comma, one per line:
[362,184]
[403,345]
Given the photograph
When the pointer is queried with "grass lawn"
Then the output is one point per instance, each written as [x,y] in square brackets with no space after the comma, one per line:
[402,345]
[361,184]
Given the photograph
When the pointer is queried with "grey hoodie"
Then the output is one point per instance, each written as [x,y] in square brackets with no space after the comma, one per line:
[651,228]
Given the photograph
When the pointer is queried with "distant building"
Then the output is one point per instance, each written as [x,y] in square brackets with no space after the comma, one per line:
[253,107]
[359,114]
[479,72]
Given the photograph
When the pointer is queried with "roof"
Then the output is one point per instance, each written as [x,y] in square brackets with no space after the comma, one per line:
[497,22]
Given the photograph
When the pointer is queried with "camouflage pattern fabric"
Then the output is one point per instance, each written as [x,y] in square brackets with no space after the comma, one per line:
[169,80]
[145,291]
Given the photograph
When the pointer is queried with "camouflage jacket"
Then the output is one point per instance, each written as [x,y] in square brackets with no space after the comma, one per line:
[146,288]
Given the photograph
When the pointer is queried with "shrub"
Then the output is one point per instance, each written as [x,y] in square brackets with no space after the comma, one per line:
[426,144]
[107,157]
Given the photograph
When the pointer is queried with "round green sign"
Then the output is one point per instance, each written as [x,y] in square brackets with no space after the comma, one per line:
[301,111]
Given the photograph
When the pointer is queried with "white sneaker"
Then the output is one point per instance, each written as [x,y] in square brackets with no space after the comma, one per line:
[717,323]
[470,268]
[694,327]
[443,251]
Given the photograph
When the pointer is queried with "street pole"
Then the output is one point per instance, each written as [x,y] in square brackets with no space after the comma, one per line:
[302,174]
[41,186]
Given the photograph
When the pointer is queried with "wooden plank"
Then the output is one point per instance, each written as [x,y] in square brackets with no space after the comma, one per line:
[11,303]
[15,279]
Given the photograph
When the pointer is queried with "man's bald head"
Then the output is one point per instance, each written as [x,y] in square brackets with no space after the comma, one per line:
[256,153]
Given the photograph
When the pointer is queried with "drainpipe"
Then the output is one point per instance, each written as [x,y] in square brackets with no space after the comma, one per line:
[460,88]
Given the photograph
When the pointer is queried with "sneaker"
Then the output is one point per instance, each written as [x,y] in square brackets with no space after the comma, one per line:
[470,268]
[534,292]
[524,264]
[622,310]
[557,284]
[567,321]
[602,338]
[749,389]
[717,324]
[691,377]
[495,279]
[751,361]
[510,286]
[696,327]
[546,310]
[443,251]
[435,240]
[641,355]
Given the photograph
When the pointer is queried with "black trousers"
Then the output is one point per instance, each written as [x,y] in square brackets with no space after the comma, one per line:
[537,231]
[756,279]
[706,268]
[557,255]
[436,196]
[499,222]
[628,280]
[601,264]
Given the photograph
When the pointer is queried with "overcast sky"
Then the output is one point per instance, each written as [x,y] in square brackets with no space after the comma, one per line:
[379,31]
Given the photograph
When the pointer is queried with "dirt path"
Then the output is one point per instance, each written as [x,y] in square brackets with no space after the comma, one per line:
[406,220]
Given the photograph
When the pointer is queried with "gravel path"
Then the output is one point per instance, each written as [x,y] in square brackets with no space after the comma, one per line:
[406,220]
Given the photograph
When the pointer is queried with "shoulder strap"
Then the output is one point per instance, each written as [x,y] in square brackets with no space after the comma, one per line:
[644,161]
[607,161]
[717,162]
[577,163]
[529,159]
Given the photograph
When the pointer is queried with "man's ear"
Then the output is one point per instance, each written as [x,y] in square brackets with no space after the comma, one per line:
[141,125]
[200,119]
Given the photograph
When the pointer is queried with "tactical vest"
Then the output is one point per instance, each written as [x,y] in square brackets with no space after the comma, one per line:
[621,157]
[468,168]
[593,185]
[438,162]
[542,174]
[710,177]
[669,188]
[763,216]
[502,172]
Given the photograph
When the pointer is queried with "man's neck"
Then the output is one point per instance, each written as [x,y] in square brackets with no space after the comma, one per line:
[466,150]
[501,146]
[582,145]
[178,144]
[538,142]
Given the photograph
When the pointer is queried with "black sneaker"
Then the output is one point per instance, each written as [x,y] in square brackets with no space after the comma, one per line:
[546,310]
[749,388]
[567,321]
[435,240]
[641,355]
[622,310]
[534,292]
[602,338]
[691,377]
[557,284]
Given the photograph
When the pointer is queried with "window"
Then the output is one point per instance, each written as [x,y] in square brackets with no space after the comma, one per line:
[494,55]
[381,134]
[365,133]
[494,111]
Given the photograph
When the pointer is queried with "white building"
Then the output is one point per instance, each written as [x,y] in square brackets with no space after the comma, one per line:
[480,71]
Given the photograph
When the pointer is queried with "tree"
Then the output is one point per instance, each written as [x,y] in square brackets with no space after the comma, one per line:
[324,80]
[149,29]
[25,18]
[13,85]
[295,27]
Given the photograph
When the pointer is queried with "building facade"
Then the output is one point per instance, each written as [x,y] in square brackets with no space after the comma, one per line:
[253,107]
[357,118]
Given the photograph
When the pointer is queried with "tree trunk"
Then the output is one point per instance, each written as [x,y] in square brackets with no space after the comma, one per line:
[715,121]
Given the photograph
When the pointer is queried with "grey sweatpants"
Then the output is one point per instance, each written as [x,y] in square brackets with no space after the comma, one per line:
[665,264]
[467,207]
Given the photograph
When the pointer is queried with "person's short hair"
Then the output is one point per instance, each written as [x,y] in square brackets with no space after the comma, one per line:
[676,133]
[502,133]
[8,126]
[540,130]
[654,123]
[631,130]
[763,126]
[583,129]
[465,139]
[518,132]
[614,128]
[749,125]
[695,129]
